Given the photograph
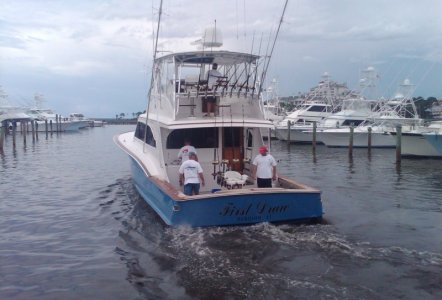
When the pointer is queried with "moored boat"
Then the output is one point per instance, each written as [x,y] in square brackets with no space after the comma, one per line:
[47,120]
[79,117]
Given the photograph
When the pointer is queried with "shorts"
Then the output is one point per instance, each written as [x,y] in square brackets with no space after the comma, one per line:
[264,182]
[191,188]
[211,99]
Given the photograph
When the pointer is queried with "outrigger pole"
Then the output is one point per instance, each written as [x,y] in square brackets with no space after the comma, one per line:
[153,69]
[264,72]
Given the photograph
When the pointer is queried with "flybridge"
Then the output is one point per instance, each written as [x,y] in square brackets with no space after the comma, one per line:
[182,83]
[239,73]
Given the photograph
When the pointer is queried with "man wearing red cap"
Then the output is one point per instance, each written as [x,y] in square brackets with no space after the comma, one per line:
[264,168]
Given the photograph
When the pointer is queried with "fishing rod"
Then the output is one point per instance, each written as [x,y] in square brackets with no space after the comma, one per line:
[273,47]
[250,65]
[256,68]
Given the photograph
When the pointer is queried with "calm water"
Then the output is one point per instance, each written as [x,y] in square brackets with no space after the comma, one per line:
[72,226]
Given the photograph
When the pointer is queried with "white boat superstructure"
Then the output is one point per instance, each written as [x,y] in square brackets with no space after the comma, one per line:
[178,108]
[354,112]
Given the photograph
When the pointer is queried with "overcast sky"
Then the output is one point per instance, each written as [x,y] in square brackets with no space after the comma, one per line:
[94,56]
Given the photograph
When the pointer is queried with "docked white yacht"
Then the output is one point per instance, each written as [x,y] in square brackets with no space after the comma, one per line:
[400,110]
[79,117]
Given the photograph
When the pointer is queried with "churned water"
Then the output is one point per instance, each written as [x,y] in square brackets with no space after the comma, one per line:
[72,226]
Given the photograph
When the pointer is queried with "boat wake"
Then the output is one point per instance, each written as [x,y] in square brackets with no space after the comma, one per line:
[260,261]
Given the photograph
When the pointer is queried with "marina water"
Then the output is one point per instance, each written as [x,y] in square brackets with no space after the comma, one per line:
[72,226]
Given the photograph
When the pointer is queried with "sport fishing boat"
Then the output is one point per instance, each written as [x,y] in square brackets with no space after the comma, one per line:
[226,143]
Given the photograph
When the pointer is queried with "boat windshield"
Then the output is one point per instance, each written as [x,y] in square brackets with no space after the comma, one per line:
[199,138]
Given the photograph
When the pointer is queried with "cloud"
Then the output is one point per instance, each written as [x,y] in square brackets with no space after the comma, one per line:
[109,43]
[308,58]
[82,68]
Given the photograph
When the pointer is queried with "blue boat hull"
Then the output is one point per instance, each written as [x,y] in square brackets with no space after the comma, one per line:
[231,209]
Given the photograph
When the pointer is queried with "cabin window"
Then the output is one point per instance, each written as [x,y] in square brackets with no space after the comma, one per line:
[141,132]
[232,136]
[199,138]
[318,108]
[350,122]
[249,139]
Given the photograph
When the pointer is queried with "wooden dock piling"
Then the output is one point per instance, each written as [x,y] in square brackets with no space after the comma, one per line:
[289,124]
[24,131]
[59,123]
[314,136]
[2,137]
[33,130]
[14,131]
[46,128]
[350,142]
[398,143]
[369,139]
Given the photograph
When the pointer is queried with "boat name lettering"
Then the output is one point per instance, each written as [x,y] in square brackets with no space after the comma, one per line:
[251,209]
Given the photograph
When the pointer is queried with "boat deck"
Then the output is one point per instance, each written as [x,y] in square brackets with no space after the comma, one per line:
[282,185]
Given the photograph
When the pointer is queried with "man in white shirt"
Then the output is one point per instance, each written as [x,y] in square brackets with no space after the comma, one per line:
[264,169]
[191,174]
[212,77]
[183,154]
